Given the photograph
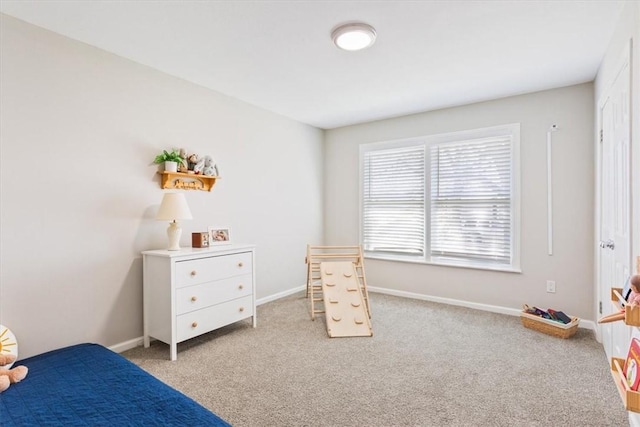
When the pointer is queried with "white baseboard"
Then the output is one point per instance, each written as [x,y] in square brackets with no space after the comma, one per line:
[585,324]
[126,345]
[280,295]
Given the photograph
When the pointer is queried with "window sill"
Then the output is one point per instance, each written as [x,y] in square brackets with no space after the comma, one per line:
[460,264]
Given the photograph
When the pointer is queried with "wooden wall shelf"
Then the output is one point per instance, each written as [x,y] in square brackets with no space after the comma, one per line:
[630,398]
[187,181]
[631,312]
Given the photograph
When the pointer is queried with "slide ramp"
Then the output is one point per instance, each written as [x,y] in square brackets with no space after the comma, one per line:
[319,254]
[345,306]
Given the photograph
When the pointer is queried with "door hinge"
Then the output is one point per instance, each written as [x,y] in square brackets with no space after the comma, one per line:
[600,307]
[601,136]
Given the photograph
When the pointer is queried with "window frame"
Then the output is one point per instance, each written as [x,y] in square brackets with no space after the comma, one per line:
[512,130]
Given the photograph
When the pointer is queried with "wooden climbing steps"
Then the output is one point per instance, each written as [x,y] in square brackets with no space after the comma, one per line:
[317,255]
[345,310]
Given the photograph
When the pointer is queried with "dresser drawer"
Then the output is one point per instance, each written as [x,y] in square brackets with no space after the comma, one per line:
[196,297]
[194,272]
[198,322]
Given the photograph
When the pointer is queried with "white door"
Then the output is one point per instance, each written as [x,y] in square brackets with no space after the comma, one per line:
[614,257]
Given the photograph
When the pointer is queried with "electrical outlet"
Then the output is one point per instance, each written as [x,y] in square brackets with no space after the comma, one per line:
[551,286]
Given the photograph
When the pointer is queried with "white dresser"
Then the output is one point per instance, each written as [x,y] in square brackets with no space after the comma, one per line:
[193,291]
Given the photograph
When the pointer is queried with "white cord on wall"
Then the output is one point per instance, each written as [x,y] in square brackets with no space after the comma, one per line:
[552,129]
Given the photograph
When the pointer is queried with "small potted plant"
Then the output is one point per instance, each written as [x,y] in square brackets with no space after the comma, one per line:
[170,160]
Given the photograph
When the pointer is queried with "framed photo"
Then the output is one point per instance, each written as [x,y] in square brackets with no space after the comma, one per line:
[219,236]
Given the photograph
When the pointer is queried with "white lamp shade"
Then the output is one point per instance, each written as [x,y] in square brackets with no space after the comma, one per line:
[173,207]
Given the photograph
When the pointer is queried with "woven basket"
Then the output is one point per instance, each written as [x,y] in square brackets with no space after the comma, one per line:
[549,327]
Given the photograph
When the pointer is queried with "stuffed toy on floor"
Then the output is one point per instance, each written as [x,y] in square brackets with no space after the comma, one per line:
[10,376]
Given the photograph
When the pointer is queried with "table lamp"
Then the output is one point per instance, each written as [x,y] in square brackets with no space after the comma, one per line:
[173,208]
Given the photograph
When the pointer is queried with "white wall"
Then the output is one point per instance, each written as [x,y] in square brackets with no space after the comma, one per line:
[79,129]
[571,108]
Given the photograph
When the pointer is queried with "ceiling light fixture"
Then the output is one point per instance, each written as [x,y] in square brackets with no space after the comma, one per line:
[353,36]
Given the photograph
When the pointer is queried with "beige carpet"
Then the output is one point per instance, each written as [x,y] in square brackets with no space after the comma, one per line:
[427,365]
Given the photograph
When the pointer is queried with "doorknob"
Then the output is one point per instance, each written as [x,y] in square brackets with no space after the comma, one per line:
[609,244]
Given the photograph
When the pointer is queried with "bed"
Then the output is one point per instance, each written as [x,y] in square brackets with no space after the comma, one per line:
[89,385]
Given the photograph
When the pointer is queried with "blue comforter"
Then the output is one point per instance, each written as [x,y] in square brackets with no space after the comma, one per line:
[89,385]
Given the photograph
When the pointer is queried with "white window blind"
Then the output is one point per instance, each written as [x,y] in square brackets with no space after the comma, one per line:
[447,199]
[394,201]
[471,200]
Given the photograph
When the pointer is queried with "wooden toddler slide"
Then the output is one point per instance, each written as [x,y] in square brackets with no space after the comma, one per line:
[336,286]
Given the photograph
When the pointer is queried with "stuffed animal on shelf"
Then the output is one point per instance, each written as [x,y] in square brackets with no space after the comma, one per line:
[192,161]
[184,166]
[210,169]
[199,166]
[10,376]
[632,299]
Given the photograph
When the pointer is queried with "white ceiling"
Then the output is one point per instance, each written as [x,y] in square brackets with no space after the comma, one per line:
[278,55]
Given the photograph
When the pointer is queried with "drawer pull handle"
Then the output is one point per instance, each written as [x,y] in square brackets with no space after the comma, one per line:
[193,273]
[241,309]
[194,325]
[240,286]
[194,298]
[240,264]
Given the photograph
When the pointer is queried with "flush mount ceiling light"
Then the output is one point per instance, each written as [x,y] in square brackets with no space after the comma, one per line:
[353,36]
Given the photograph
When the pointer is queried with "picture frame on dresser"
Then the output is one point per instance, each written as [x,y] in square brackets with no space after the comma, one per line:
[219,236]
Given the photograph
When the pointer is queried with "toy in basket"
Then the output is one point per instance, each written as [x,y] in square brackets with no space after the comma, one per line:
[543,321]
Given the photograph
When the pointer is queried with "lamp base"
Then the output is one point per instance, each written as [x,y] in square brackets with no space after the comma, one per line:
[174,232]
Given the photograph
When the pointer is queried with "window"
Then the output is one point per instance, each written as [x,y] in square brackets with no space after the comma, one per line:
[447,199]
[394,214]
